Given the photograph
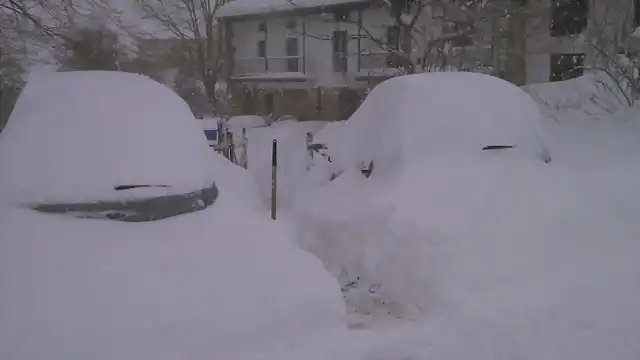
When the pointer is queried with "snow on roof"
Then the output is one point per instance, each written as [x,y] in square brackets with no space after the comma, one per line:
[251,7]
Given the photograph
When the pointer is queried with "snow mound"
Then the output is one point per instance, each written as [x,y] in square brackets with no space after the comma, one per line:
[594,95]
[219,284]
[223,283]
[410,122]
[431,115]
[247,7]
[381,263]
[73,136]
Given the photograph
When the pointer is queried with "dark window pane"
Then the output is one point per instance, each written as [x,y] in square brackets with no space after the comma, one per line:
[340,51]
[393,37]
[292,50]
[569,17]
[262,48]
[566,66]
[211,134]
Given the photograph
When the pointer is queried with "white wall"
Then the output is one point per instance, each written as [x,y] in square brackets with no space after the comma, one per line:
[318,43]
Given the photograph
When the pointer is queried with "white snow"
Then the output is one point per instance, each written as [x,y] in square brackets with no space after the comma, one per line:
[425,116]
[247,7]
[293,157]
[223,283]
[445,252]
[82,125]
[226,282]
[505,256]
[593,95]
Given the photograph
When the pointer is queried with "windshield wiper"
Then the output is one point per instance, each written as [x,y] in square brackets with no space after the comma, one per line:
[128,187]
[498,147]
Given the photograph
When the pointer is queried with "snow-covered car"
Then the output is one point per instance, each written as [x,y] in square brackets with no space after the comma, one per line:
[95,145]
[467,228]
[222,282]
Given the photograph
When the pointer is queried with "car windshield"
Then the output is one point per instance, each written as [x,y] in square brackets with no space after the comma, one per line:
[137,209]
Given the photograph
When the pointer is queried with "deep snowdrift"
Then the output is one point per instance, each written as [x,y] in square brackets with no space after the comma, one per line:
[592,96]
[80,128]
[223,283]
[506,256]
[429,122]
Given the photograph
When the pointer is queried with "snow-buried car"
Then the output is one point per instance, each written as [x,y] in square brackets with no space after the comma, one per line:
[97,144]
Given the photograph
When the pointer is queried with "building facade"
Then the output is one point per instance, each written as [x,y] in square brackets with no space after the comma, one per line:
[317,58]
[312,62]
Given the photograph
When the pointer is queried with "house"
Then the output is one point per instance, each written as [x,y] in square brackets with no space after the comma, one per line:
[315,59]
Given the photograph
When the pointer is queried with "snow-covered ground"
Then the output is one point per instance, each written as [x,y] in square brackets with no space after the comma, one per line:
[223,283]
[293,158]
[491,254]
[447,251]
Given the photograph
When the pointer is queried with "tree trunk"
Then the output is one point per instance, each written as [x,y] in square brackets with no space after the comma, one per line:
[406,48]
[516,45]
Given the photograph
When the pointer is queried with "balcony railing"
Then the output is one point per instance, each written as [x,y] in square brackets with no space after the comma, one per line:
[374,60]
[271,64]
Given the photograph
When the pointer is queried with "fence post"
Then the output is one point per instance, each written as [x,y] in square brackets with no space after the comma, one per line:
[310,150]
[231,148]
[274,172]
[245,155]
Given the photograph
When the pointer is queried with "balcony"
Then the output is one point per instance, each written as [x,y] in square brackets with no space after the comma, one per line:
[286,68]
[378,64]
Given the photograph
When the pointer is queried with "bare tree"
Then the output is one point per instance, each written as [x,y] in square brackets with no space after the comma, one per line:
[193,23]
[609,38]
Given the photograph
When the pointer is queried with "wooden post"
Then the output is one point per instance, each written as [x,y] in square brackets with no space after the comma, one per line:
[274,182]
[310,150]
[245,155]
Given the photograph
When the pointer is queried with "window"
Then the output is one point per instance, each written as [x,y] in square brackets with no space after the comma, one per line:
[262,26]
[211,135]
[339,51]
[393,37]
[269,103]
[636,13]
[566,66]
[569,17]
[341,14]
[292,50]
[262,48]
